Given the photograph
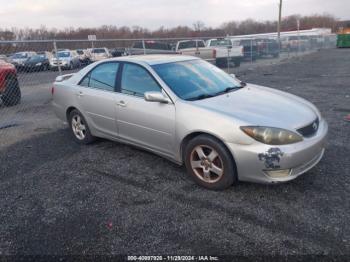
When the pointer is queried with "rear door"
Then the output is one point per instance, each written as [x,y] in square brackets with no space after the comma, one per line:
[150,124]
[96,96]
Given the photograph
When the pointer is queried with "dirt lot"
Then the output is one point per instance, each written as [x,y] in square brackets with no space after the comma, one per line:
[61,198]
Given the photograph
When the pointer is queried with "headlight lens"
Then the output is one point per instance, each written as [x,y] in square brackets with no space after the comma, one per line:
[38,64]
[271,135]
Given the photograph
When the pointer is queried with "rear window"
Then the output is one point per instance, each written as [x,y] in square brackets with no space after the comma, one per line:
[188,44]
[247,42]
[220,43]
[153,45]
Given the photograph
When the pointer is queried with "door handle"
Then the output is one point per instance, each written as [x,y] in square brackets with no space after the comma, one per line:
[80,94]
[121,103]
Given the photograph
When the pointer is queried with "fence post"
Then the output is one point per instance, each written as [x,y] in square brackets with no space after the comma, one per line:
[57,59]
[144,46]
[251,50]
[228,60]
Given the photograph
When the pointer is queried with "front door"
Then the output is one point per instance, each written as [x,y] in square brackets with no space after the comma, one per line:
[150,124]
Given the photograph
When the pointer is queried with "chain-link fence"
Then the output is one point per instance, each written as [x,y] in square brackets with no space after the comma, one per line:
[29,68]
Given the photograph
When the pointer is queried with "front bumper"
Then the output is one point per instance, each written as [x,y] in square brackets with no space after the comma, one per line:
[255,162]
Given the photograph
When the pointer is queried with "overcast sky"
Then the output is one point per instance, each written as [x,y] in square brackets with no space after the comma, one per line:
[155,13]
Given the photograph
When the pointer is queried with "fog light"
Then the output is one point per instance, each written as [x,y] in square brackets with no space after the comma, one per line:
[278,173]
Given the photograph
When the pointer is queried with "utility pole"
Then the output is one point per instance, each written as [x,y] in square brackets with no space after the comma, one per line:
[279,23]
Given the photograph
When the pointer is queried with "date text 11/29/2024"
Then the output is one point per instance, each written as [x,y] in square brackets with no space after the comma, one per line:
[172,258]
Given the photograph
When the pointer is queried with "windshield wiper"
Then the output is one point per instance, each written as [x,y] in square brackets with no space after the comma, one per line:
[200,97]
[227,90]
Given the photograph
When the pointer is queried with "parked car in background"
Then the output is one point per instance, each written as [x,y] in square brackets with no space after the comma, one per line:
[225,52]
[117,52]
[149,47]
[18,59]
[250,48]
[67,59]
[4,58]
[268,47]
[84,56]
[10,92]
[196,48]
[190,111]
[298,43]
[38,62]
[98,54]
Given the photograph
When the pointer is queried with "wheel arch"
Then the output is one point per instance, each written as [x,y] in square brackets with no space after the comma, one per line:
[69,110]
[192,135]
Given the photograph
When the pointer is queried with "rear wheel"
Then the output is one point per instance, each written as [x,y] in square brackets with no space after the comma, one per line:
[221,62]
[80,129]
[12,94]
[237,62]
[209,163]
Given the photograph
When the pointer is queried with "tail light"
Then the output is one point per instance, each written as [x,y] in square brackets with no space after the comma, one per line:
[52,90]
[214,53]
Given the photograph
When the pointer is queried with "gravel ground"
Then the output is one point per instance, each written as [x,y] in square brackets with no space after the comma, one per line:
[60,198]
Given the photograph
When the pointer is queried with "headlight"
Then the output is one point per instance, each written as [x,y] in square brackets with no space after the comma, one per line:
[271,135]
[38,64]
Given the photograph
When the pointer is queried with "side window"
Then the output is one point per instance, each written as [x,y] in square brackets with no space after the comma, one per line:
[200,44]
[102,77]
[136,81]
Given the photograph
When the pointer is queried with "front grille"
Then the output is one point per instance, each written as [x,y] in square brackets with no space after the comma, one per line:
[310,129]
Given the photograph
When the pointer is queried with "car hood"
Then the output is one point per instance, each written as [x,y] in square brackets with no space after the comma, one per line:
[262,106]
[61,59]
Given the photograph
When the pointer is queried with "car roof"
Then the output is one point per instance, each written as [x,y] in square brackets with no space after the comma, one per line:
[155,59]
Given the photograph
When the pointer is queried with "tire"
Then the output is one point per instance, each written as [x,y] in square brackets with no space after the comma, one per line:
[221,63]
[81,138]
[12,94]
[237,62]
[71,66]
[197,166]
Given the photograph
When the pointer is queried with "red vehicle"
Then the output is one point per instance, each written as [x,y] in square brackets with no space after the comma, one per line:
[10,92]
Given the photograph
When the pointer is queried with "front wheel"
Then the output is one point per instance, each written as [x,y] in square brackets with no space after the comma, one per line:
[80,129]
[209,163]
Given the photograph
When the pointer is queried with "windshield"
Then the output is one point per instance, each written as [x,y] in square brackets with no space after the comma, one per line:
[63,54]
[20,55]
[98,51]
[36,57]
[195,79]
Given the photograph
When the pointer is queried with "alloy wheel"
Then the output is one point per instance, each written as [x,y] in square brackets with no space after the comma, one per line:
[78,127]
[207,164]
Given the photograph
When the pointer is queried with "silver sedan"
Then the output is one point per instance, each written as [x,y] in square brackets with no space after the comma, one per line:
[193,113]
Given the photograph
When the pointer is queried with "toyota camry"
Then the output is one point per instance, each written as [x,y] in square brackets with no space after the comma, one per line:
[193,113]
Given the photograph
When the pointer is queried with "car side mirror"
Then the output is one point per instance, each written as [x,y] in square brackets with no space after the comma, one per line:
[154,96]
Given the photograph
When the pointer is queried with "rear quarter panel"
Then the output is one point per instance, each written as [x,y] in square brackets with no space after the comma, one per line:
[63,98]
